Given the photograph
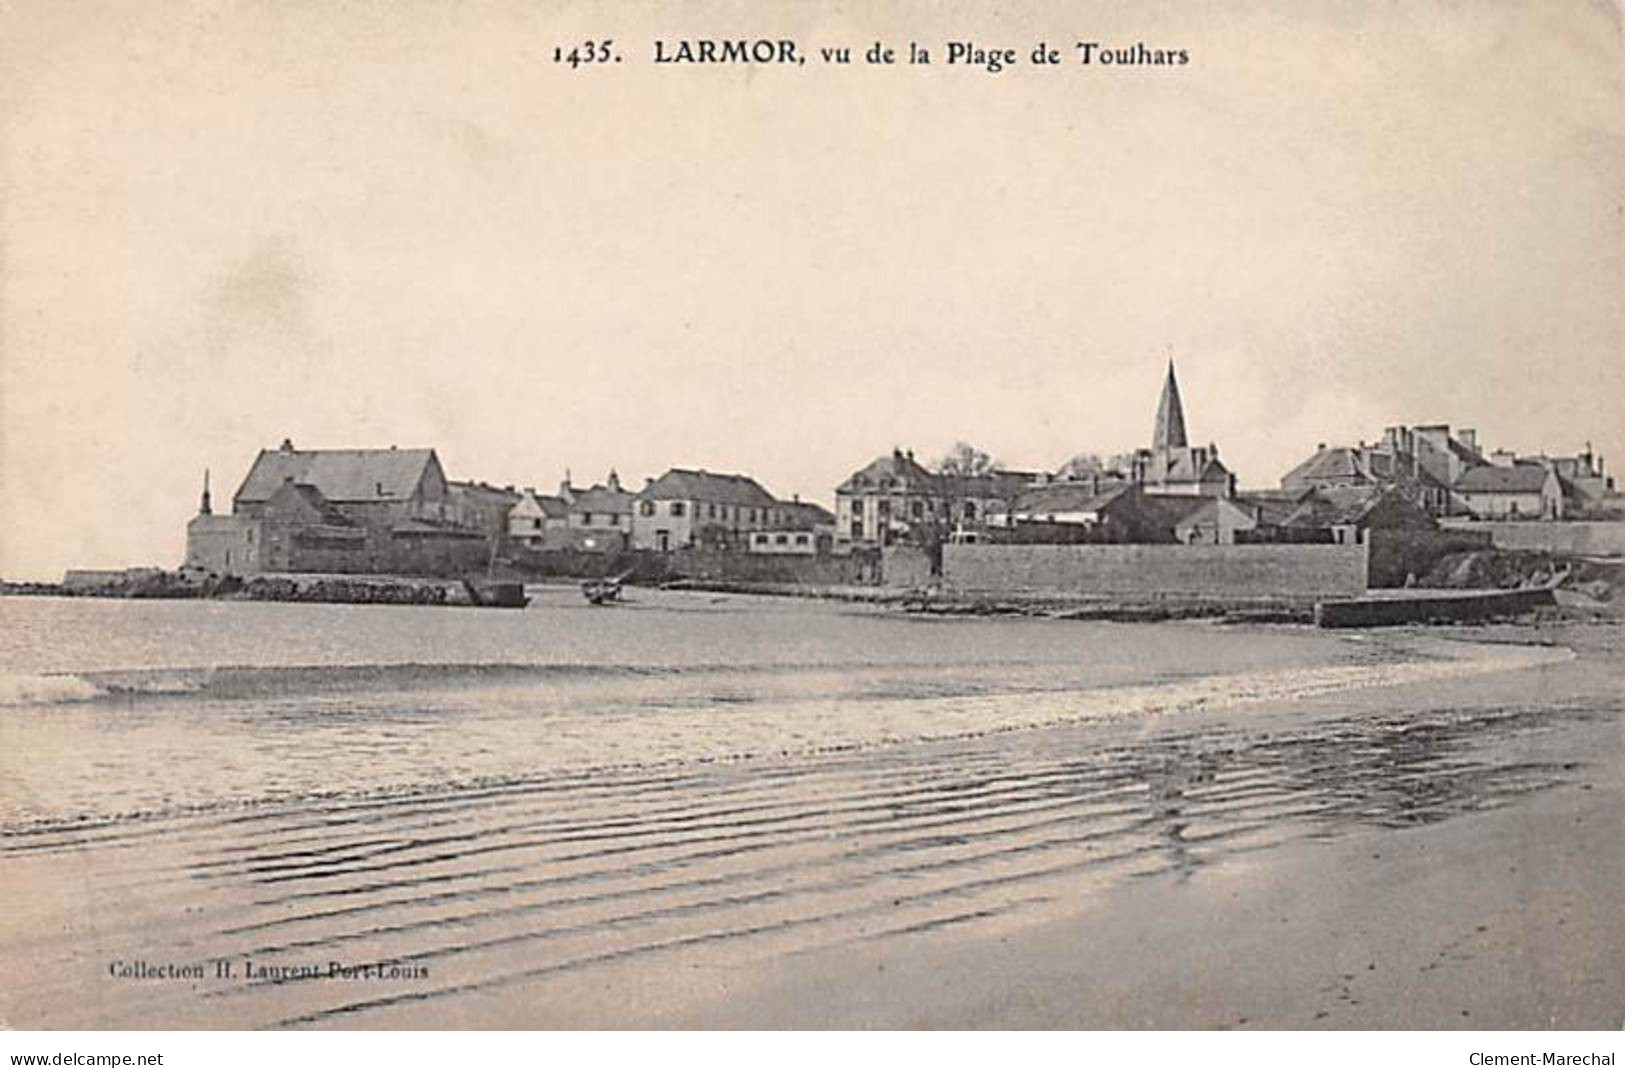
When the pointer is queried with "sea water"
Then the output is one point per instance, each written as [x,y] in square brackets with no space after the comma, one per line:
[124,708]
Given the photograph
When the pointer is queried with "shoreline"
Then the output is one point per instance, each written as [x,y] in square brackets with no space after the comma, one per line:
[924,601]
[1253,849]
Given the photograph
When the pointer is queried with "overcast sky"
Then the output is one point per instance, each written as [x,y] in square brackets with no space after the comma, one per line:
[364,224]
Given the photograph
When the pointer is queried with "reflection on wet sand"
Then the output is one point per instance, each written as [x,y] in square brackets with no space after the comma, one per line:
[486,889]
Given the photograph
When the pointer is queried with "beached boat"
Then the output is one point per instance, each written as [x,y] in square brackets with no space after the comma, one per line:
[496,594]
[601,591]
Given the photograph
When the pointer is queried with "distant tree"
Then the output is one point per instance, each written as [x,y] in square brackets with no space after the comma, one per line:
[965,461]
[1085,464]
[957,472]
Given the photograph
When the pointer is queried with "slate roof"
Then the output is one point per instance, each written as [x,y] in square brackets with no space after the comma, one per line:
[894,465]
[1067,497]
[601,499]
[685,484]
[1003,485]
[320,504]
[1332,462]
[343,475]
[553,507]
[550,507]
[1354,506]
[1518,478]
[1272,507]
[806,515]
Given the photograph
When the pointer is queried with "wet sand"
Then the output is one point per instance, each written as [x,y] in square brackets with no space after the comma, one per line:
[1441,852]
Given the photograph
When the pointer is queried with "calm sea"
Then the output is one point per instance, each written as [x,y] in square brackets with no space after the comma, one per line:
[118,709]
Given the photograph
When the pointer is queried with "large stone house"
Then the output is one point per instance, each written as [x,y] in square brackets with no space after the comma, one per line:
[688,508]
[341,510]
[1424,462]
[1519,490]
[896,499]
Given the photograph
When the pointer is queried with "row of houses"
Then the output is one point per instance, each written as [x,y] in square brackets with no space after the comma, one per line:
[1174,491]
[394,509]
[1450,475]
[385,510]
[682,509]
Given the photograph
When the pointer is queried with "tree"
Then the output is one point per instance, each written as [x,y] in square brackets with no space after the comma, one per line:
[1091,464]
[965,461]
[959,473]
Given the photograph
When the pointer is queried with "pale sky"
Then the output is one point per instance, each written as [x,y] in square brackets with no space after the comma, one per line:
[369,223]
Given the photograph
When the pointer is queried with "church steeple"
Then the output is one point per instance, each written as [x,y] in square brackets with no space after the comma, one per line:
[1170,429]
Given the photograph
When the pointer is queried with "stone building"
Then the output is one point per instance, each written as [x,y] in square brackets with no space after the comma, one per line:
[896,499]
[687,508]
[1172,466]
[341,511]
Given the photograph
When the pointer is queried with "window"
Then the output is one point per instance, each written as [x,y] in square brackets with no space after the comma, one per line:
[646,508]
[970,509]
[781,539]
[710,511]
[801,539]
[677,508]
[918,508]
[614,519]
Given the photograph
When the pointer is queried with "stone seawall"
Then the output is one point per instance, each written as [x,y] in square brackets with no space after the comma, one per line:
[1223,571]
[1596,538]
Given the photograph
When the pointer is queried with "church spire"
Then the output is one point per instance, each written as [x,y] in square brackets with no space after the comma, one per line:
[1170,429]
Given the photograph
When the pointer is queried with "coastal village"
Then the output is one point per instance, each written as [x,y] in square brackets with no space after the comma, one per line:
[1402,502]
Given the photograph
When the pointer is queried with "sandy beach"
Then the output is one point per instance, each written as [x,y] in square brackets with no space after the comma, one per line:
[1425,835]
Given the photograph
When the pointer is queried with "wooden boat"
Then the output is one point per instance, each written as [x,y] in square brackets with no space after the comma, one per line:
[496,594]
[602,591]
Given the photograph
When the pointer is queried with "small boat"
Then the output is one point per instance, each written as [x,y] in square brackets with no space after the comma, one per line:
[496,594]
[602,591]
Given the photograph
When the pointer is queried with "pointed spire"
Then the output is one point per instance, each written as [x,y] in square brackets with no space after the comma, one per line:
[205,506]
[1170,429]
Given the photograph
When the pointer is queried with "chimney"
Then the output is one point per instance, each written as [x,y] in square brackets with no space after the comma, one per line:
[614,481]
[287,445]
[204,506]
[1469,439]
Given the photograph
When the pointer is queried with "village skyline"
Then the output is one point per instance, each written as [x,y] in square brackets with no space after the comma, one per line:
[223,233]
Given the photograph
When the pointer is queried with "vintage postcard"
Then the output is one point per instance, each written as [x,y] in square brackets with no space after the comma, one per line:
[539,515]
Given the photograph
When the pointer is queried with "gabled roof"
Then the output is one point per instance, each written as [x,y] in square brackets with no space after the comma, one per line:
[1357,506]
[895,465]
[685,484]
[551,507]
[1272,507]
[1068,497]
[343,475]
[1331,462]
[806,514]
[1518,478]
[601,499]
[312,498]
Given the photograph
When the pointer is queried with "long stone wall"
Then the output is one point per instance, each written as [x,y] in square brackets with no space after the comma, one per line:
[1297,571]
[1594,538]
